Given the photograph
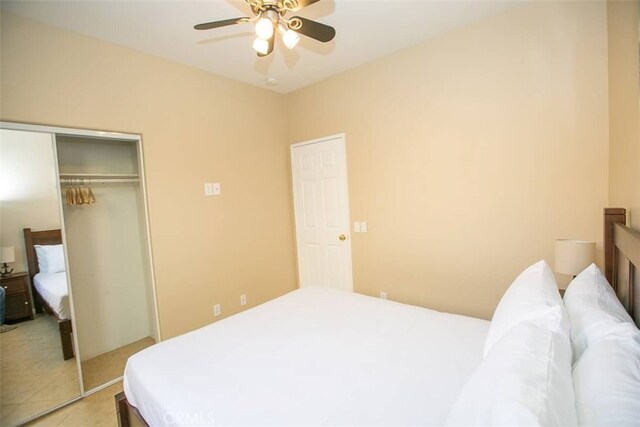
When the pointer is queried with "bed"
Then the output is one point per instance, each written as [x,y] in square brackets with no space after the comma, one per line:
[325,357]
[50,291]
[348,336]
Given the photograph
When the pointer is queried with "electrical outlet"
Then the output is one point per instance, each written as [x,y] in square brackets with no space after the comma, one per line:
[243,299]
[383,295]
[216,310]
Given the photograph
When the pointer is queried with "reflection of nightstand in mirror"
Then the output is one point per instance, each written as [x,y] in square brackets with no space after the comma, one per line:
[17,300]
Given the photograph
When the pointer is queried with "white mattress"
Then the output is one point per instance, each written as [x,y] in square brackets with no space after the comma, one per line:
[52,287]
[312,357]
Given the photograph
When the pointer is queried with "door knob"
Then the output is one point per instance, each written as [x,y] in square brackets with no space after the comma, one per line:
[342,237]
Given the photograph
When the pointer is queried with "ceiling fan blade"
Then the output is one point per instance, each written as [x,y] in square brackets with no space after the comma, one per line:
[271,43]
[296,5]
[218,24]
[315,30]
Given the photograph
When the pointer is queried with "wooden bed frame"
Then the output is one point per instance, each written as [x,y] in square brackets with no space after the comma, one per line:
[47,237]
[622,255]
[621,258]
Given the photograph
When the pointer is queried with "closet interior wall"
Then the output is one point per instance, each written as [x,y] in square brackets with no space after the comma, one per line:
[106,244]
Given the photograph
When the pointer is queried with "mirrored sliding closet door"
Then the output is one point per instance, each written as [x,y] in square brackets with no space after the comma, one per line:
[77,296]
[38,366]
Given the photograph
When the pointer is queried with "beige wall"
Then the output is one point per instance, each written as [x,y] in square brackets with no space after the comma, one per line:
[468,155]
[28,194]
[196,128]
[471,153]
[624,131]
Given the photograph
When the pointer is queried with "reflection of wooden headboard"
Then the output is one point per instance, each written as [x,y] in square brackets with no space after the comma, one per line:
[621,259]
[31,238]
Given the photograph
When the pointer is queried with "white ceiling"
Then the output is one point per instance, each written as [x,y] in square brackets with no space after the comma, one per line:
[366,30]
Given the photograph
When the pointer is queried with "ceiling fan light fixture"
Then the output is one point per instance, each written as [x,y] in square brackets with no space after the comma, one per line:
[264,28]
[261,45]
[271,17]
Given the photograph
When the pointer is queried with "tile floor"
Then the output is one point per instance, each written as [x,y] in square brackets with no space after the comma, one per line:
[96,410]
[33,374]
[34,377]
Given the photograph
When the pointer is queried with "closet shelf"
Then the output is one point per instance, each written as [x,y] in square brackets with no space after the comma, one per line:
[99,176]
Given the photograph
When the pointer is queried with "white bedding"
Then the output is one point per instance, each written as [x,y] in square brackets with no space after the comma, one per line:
[312,357]
[52,287]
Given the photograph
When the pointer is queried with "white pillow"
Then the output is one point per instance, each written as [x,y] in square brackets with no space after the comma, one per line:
[594,311]
[50,258]
[525,380]
[607,383]
[532,297]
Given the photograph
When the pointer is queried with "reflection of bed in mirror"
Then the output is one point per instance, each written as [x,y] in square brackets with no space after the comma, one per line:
[50,290]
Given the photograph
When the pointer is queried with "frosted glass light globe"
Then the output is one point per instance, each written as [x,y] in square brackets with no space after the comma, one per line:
[264,28]
[261,45]
[290,38]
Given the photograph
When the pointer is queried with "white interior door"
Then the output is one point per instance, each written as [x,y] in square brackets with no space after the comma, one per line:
[321,204]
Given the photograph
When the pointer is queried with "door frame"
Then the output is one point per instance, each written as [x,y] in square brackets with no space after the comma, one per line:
[343,139]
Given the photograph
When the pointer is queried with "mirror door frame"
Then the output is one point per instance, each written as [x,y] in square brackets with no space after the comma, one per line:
[55,131]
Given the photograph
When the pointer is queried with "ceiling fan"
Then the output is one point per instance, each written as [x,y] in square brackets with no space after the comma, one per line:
[269,16]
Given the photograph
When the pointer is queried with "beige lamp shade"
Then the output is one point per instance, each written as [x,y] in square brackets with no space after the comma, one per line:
[573,256]
[7,254]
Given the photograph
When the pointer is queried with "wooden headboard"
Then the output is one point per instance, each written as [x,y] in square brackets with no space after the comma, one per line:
[621,258]
[31,238]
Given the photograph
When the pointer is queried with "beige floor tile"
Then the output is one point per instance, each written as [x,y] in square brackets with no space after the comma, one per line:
[53,419]
[15,414]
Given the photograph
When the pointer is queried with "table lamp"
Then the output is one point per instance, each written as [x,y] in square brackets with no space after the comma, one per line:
[7,254]
[573,256]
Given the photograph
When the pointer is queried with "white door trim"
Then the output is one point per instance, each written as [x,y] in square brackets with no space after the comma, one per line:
[342,137]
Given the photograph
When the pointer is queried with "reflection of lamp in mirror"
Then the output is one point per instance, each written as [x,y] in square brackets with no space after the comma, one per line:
[573,256]
[7,254]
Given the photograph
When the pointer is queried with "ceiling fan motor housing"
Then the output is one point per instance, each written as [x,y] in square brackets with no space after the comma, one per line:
[272,15]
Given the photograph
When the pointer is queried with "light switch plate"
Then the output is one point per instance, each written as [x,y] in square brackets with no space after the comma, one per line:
[356,227]
[212,189]
[363,227]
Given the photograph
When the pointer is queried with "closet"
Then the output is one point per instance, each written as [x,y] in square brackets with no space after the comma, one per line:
[108,259]
[74,199]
